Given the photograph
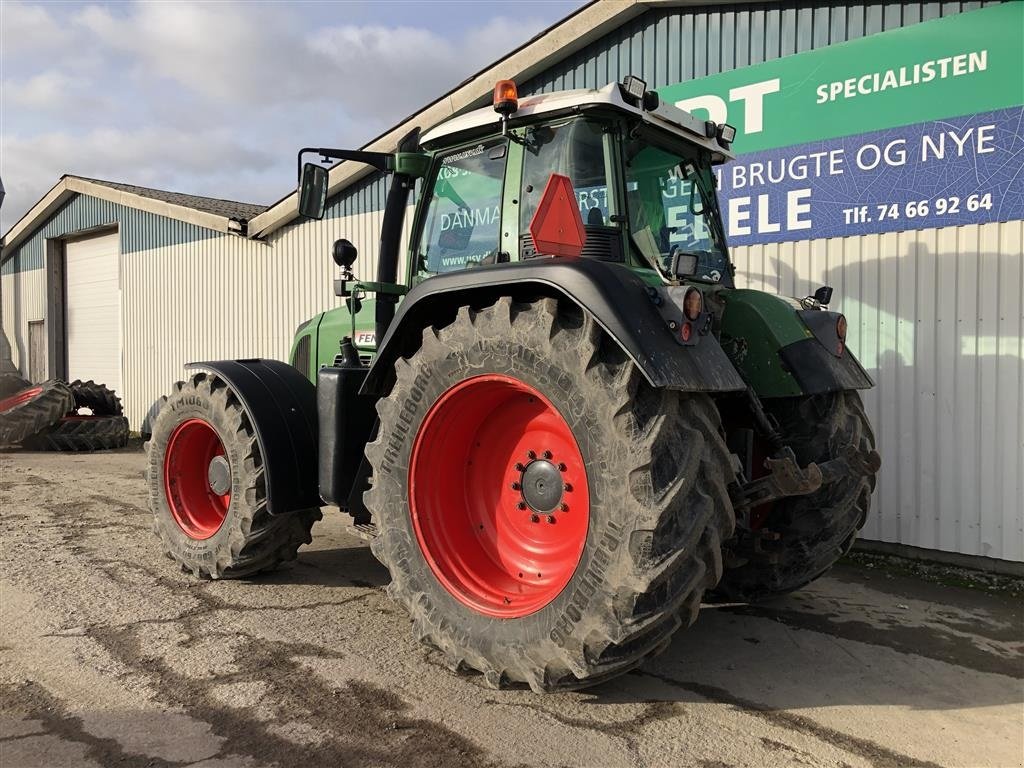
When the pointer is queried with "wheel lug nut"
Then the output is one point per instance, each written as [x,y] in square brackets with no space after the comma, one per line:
[567,487]
[519,467]
[551,519]
[547,454]
[516,486]
[531,454]
[534,519]
[561,467]
[564,507]
[521,505]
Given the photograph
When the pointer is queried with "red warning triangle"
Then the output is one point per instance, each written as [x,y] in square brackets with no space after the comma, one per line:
[557,227]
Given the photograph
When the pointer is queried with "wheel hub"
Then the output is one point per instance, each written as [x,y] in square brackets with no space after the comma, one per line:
[542,486]
[219,475]
[197,478]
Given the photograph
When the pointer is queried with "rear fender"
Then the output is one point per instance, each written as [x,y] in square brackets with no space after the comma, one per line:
[612,294]
[281,404]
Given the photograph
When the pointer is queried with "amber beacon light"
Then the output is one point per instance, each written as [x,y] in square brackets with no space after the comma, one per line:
[506,97]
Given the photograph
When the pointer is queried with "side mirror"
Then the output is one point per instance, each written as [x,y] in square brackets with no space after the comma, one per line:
[344,253]
[313,191]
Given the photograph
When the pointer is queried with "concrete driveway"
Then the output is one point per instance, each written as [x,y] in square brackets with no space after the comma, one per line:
[110,656]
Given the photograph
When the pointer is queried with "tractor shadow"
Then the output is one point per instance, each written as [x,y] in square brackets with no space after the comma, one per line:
[351,565]
[850,638]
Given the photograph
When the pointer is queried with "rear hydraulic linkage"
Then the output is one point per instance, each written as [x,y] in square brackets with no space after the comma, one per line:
[785,476]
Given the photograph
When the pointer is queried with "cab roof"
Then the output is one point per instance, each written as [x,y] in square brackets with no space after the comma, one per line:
[665,117]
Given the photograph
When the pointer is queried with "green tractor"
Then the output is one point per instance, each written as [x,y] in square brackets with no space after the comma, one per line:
[565,428]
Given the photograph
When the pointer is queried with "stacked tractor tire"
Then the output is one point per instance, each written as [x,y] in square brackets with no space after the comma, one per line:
[60,416]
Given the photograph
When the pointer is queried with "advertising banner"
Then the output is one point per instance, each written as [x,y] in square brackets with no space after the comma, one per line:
[915,128]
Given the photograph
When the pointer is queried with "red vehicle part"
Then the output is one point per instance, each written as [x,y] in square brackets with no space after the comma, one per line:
[197,478]
[498,495]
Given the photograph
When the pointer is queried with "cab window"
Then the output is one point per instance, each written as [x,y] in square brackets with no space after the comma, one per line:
[581,150]
[673,209]
[463,216]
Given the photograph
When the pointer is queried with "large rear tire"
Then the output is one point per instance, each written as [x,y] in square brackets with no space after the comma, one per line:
[818,529]
[207,490]
[24,413]
[547,517]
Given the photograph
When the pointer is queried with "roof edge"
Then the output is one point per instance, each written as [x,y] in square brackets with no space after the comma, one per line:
[71,185]
[560,40]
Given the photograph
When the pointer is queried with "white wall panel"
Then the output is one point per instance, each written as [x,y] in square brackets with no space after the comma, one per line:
[24,300]
[936,317]
[228,297]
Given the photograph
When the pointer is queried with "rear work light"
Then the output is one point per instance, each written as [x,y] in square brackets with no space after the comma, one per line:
[633,89]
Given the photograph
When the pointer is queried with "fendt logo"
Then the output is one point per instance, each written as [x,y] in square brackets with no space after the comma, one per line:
[751,96]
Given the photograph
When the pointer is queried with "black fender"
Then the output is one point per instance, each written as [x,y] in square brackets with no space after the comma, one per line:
[281,404]
[614,295]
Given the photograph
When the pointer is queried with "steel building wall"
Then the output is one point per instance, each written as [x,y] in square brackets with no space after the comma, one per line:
[672,45]
[937,319]
[935,315]
[249,300]
[23,296]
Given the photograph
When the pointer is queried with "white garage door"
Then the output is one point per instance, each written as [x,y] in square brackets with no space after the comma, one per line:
[94,310]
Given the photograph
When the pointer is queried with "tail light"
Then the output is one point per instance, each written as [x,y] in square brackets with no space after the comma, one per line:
[841,327]
[693,304]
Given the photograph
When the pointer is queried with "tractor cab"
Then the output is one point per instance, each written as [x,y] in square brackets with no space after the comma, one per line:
[610,174]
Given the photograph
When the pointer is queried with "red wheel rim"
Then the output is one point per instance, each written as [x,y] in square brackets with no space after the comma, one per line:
[498,495]
[197,508]
[18,398]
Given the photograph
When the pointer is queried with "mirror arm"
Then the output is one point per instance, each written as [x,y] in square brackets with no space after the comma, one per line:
[382,161]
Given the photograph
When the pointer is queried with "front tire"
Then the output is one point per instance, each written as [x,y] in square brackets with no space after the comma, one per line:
[494,571]
[207,490]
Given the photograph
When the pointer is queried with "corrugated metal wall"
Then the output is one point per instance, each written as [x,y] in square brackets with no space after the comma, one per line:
[672,45]
[937,319]
[250,298]
[24,300]
[935,315]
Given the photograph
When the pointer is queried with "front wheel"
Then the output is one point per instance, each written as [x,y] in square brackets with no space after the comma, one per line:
[547,517]
[207,489]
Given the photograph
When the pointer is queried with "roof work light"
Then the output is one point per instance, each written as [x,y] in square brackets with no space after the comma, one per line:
[633,89]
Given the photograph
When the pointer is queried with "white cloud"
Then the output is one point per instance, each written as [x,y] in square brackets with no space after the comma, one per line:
[224,51]
[29,29]
[210,98]
[47,90]
[203,163]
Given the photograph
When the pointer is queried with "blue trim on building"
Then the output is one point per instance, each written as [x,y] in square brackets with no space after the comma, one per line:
[140,230]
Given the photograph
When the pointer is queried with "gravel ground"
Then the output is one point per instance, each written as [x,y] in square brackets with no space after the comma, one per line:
[109,656]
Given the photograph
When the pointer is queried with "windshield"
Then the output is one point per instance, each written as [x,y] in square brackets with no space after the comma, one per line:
[673,210]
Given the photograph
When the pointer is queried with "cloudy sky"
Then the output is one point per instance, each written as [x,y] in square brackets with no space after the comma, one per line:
[214,98]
